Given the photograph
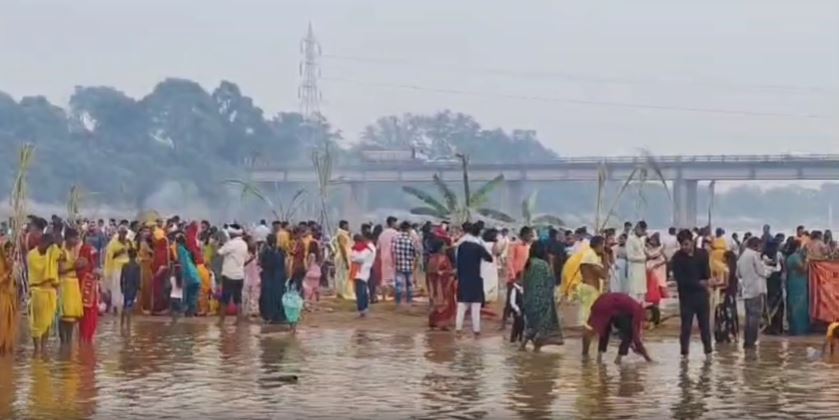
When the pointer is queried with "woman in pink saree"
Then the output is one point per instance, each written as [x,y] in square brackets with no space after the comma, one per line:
[656,271]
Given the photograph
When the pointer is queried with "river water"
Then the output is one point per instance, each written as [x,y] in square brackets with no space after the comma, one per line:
[193,370]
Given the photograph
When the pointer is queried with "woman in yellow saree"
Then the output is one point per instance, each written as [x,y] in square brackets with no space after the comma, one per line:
[42,264]
[343,245]
[9,315]
[145,256]
[71,294]
[719,268]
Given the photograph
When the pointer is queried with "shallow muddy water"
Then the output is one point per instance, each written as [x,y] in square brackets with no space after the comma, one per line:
[197,370]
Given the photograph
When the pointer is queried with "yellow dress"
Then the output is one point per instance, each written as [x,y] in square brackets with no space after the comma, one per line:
[113,268]
[344,285]
[719,267]
[9,315]
[43,279]
[70,292]
[284,241]
[572,277]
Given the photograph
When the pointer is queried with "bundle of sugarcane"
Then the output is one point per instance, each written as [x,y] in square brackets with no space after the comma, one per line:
[74,202]
[12,271]
[322,161]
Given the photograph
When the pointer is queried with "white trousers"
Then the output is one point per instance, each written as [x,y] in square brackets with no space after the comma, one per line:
[114,288]
[474,310]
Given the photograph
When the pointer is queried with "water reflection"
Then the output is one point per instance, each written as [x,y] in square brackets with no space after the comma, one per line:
[691,403]
[533,386]
[198,369]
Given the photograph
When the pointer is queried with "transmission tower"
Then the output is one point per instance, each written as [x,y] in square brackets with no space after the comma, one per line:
[308,91]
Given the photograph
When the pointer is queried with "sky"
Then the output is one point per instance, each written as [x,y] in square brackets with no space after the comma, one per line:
[592,77]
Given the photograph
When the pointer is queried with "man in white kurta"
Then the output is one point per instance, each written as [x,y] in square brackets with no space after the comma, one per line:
[637,259]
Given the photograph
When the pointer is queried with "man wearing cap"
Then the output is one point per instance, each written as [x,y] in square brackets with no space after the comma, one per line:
[234,253]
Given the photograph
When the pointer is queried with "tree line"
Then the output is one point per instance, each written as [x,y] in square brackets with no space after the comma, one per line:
[121,149]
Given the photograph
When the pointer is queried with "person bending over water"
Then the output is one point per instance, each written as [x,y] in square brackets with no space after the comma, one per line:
[623,313]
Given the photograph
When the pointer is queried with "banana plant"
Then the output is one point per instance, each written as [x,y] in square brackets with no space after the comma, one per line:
[530,218]
[450,207]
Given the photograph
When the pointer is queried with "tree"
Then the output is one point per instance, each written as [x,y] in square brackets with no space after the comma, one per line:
[446,133]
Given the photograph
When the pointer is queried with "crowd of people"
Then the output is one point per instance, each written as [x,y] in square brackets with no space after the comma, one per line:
[76,272]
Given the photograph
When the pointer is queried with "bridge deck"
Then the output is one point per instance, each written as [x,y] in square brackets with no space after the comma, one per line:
[722,168]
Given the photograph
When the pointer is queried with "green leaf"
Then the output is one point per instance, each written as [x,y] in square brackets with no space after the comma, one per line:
[528,207]
[427,199]
[446,192]
[428,211]
[480,197]
[495,214]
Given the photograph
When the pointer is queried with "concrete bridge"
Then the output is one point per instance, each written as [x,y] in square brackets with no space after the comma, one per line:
[683,172]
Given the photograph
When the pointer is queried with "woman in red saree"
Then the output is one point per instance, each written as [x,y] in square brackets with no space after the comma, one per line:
[442,287]
[89,284]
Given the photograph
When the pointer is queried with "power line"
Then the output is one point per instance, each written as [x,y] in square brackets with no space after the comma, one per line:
[574,101]
[581,78]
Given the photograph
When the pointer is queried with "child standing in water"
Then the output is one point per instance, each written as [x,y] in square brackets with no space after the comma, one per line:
[311,284]
[514,305]
[176,294]
[130,285]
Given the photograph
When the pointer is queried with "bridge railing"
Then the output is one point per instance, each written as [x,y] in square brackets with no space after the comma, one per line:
[593,160]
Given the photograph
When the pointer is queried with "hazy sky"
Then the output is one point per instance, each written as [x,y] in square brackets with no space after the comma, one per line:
[591,77]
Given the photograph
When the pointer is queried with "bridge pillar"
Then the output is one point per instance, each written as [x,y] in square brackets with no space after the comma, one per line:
[355,204]
[512,197]
[684,203]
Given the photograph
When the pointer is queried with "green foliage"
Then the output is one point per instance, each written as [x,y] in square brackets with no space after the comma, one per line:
[443,134]
[453,209]
[124,149]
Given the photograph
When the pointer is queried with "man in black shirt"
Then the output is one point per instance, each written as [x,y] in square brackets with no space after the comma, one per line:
[691,271]
[470,286]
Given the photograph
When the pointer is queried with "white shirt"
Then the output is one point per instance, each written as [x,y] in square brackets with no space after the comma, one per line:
[578,246]
[635,249]
[670,245]
[260,233]
[176,292]
[365,258]
[235,253]
[752,273]
[503,245]
[516,290]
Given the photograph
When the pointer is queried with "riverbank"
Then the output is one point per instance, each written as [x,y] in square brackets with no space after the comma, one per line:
[386,317]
